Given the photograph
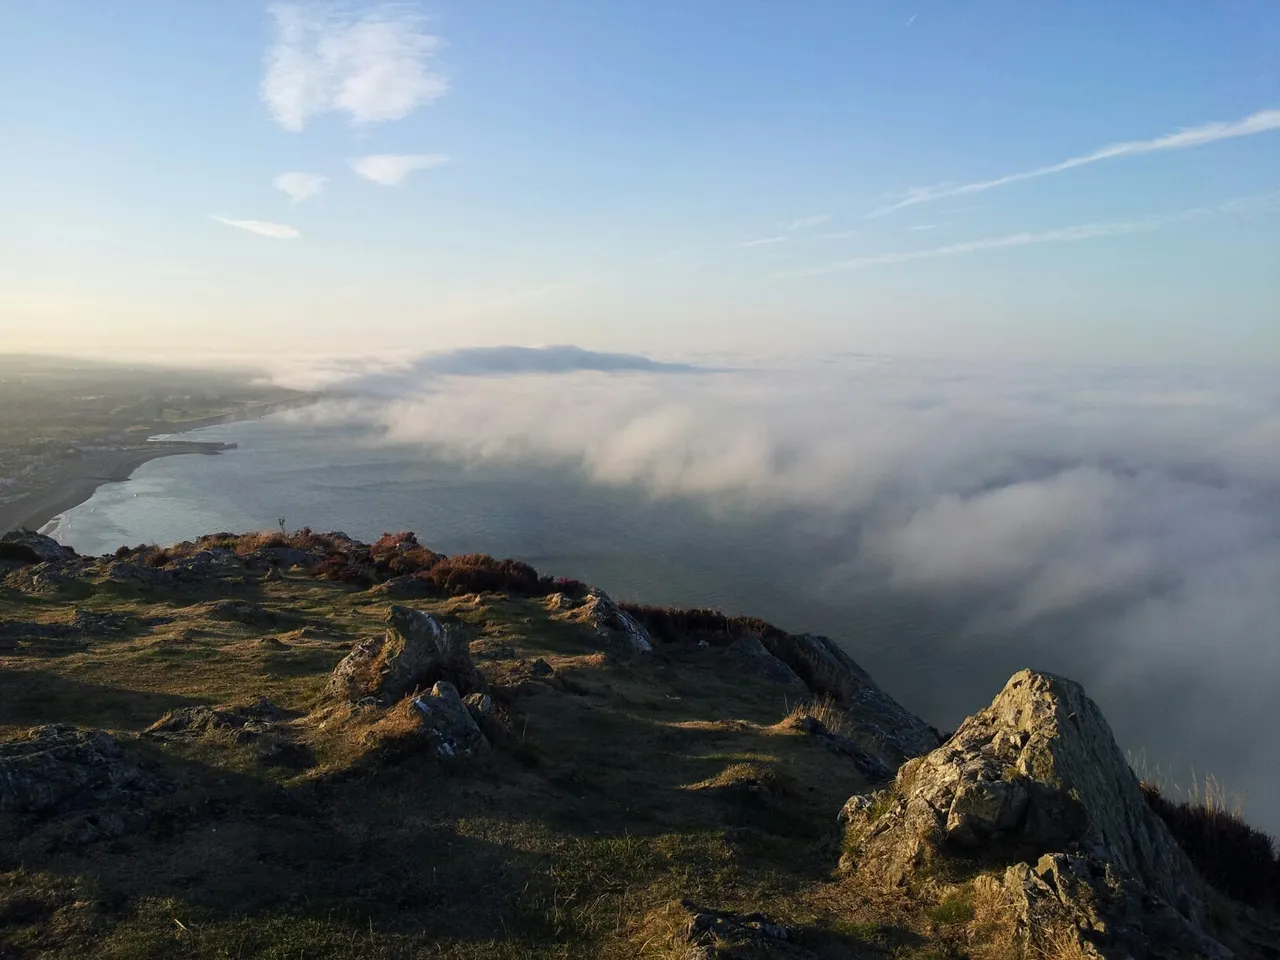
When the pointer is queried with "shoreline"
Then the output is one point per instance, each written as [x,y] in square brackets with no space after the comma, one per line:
[45,504]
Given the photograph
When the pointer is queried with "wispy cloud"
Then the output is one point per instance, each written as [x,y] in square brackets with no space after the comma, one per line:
[372,67]
[1260,122]
[840,235]
[924,226]
[762,242]
[912,19]
[804,222]
[1088,231]
[300,186]
[277,231]
[389,169]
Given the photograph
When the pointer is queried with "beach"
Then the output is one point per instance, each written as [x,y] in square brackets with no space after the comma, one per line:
[75,479]
[83,476]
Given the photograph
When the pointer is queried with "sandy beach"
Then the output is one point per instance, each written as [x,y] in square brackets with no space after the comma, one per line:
[83,476]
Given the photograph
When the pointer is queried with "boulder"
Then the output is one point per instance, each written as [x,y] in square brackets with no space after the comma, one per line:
[1035,788]
[447,721]
[751,653]
[415,652]
[35,547]
[612,623]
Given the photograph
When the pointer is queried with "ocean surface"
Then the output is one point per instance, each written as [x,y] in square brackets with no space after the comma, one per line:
[785,566]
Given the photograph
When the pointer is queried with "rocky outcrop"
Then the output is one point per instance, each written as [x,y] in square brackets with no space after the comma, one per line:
[254,717]
[1035,788]
[612,623]
[447,722]
[63,784]
[896,733]
[34,547]
[751,653]
[416,651]
[407,587]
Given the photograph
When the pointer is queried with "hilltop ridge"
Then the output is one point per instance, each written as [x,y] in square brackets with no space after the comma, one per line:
[300,745]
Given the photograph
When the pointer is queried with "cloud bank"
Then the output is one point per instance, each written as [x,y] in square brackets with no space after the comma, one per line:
[372,66]
[1120,525]
[1261,122]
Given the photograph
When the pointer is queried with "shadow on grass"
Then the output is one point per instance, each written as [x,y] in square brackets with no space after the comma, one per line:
[32,697]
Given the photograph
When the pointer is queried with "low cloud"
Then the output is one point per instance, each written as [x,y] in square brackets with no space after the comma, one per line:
[1119,525]
[277,231]
[390,169]
[300,186]
[372,66]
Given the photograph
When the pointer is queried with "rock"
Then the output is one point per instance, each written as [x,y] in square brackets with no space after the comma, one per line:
[206,565]
[64,784]
[479,705]
[750,652]
[451,729]
[407,587]
[254,717]
[238,611]
[272,575]
[610,622]
[868,765]
[1037,778]
[828,671]
[126,571]
[541,669]
[282,557]
[42,579]
[559,601]
[34,547]
[415,652]
[714,934]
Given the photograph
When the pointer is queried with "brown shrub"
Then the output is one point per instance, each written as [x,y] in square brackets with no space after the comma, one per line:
[1232,856]
[673,625]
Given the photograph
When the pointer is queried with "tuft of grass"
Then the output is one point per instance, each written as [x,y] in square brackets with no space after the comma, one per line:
[955,908]
[825,710]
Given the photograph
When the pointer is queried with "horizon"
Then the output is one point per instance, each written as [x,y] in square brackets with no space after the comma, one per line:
[406,179]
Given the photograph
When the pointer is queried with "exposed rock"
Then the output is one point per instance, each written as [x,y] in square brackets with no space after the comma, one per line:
[559,601]
[1037,778]
[282,557]
[126,571]
[408,587]
[416,651]
[751,653]
[206,565]
[720,935]
[81,779]
[828,671]
[449,725]
[868,764]
[254,717]
[238,611]
[604,616]
[480,705]
[40,579]
[34,546]
[541,669]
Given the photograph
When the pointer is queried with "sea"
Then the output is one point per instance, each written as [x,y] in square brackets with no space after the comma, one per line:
[784,566]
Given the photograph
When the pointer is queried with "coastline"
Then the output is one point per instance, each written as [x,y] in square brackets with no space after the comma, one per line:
[43,505]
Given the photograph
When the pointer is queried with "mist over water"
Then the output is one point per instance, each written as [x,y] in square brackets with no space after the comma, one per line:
[949,524]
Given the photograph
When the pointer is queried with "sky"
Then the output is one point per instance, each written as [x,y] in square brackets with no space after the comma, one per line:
[1088,181]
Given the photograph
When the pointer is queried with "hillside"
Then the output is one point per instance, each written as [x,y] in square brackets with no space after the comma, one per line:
[302,746]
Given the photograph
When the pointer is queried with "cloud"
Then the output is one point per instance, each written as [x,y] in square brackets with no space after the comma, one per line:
[278,231]
[840,235]
[1073,234]
[373,66]
[804,222]
[762,242]
[389,169]
[924,226]
[1260,122]
[300,186]
[1120,525]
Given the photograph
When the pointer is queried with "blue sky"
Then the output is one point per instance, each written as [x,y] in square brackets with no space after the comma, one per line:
[669,177]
